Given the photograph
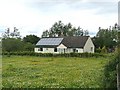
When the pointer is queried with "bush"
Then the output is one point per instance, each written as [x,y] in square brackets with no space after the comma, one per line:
[104,50]
[110,73]
[98,50]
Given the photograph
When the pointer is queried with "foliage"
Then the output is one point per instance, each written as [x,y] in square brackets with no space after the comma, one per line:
[33,39]
[106,37]
[28,46]
[8,34]
[98,50]
[59,29]
[12,44]
[11,41]
[104,50]
[31,53]
[52,72]
[110,80]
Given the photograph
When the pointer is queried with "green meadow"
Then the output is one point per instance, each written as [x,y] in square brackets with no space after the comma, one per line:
[52,72]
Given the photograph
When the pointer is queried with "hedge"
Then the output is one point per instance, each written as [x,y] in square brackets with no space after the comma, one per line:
[27,53]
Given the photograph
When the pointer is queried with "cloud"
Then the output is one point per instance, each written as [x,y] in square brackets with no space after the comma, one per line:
[35,16]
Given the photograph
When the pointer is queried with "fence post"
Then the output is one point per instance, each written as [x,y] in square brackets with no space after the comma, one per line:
[118,78]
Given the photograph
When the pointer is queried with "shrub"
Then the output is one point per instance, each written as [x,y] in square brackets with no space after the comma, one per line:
[110,73]
[98,50]
[104,50]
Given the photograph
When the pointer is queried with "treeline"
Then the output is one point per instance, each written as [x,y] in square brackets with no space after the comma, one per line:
[105,40]
[12,41]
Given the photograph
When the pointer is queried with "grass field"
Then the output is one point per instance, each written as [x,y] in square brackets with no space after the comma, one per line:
[51,72]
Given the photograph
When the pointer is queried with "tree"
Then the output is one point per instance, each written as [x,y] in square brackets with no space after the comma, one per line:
[59,29]
[33,39]
[69,29]
[45,33]
[14,34]
[28,46]
[106,38]
[6,34]
[86,32]
[12,44]
[11,41]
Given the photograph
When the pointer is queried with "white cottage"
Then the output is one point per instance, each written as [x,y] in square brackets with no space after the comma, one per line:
[78,44]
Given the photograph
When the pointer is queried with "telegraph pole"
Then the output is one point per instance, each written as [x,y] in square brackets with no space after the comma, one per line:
[119,30]
[119,27]
[118,66]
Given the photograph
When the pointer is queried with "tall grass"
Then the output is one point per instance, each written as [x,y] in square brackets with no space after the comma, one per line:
[52,72]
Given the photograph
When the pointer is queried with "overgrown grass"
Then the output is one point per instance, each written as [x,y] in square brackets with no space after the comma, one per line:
[52,72]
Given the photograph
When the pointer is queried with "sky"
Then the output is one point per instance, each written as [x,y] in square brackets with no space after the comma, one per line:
[36,16]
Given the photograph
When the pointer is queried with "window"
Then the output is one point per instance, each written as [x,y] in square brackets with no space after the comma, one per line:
[64,50]
[91,48]
[55,49]
[40,49]
[46,48]
[74,50]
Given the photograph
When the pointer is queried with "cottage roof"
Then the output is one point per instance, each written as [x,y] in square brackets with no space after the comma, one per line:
[69,41]
[75,41]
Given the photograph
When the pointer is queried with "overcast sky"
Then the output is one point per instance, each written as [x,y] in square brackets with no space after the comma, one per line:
[35,16]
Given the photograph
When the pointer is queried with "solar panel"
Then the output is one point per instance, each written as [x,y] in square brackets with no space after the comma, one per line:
[50,41]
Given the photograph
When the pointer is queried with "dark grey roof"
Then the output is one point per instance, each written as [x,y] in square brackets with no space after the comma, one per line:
[70,42]
[75,41]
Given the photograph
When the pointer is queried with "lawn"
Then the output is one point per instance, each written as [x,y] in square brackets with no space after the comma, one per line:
[52,72]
